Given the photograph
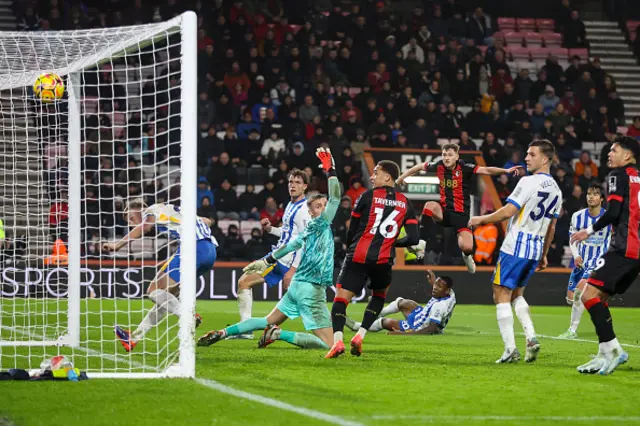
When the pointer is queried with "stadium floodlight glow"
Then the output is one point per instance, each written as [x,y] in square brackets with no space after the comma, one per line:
[131,93]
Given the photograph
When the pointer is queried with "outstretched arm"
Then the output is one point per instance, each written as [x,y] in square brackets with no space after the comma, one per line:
[495,171]
[335,193]
[291,246]
[412,171]
[501,214]
[134,234]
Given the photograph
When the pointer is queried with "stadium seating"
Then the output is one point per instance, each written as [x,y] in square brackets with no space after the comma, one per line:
[526,24]
[631,27]
[507,24]
[533,39]
[546,25]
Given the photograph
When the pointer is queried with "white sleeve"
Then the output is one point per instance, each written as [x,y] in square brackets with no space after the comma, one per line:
[438,311]
[301,220]
[574,228]
[522,192]
[275,230]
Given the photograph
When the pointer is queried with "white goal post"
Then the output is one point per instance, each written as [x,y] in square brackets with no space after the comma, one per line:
[126,128]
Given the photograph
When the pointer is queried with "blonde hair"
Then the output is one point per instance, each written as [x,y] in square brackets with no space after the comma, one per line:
[134,204]
[453,146]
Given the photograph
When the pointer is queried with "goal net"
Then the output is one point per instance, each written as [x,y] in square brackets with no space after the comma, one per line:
[125,128]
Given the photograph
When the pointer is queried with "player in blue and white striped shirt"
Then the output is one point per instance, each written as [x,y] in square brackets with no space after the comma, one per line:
[294,222]
[585,254]
[165,287]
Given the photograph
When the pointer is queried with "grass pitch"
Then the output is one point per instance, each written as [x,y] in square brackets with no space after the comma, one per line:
[400,380]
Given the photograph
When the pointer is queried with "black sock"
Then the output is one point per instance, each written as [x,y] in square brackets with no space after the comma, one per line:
[601,318]
[338,314]
[372,311]
[427,226]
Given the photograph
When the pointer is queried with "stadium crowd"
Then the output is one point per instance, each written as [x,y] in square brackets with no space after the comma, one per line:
[278,78]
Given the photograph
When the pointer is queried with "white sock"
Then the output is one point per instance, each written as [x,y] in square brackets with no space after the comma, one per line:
[362,332]
[524,316]
[338,337]
[611,345]
[577,309]
[166,300]
[505,323]
[391,308]
[376,326]
[153,317]
[245,303]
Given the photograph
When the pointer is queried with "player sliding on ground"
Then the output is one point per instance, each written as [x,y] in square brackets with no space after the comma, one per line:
[430,319]
[295,220]
[617,270]
[585,254]
[533,207]
[307,294]
[376,220]
[453,210]
[165,287]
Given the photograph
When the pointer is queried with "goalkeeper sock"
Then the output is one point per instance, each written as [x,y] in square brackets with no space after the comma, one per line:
[391,308]
[505,324]
[302,340]
[245,303]
[252,324]
[153,317]
[166,300]
[521,307]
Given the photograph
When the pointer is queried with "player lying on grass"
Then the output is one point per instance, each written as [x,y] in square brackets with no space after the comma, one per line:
[307,294]
[430,319]
[165,287]
[585,254]
[455,197]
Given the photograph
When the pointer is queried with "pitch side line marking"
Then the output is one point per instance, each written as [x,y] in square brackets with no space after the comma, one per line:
[507,418]
[317,415]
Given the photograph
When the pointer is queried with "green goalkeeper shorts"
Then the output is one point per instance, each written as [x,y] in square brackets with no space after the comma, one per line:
[308,301]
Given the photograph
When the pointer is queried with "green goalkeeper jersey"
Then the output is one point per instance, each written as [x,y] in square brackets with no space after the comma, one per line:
[316,266]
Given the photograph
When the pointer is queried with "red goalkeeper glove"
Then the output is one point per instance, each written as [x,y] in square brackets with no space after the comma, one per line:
[325,157]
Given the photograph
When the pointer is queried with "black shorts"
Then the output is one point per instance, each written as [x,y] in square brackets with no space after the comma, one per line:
[614,273]
[459,221]
[353,276]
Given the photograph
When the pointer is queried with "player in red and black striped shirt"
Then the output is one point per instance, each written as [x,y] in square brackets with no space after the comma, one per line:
[618,268]
[376,220]
[455,197]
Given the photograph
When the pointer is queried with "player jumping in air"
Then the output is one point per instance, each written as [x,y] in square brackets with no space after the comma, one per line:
[295,220]
[306,297]
[533,207]
[585,255]
[165,287]
[376,220]
[453,210]
[430,319]
[618,268]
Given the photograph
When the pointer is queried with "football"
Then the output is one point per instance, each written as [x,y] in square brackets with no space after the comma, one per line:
[48,87]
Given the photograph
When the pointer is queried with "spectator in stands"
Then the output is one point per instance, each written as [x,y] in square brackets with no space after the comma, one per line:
[250,204]
[355,189]
[634,129]
[564,181]
[523,84]
[479,27]
[503,187]
[575,33]
[592,104]
[492,152]
[204,190]
[379,76]
[259,110]
[582,87]
[236,76]
[496,122]
[421,136]
[272,212]
[308,110]
[563,150]
[206,208]
[477,122]
[413,46]
[515,159]
[573,71]
[575,201]
[537,118]
[257,246]
[498,82]
[560,118]
[584,162]
[234,248]
[615,106]
[206,108]
[59,217]
[583,126]
[587,179]
[570,102]
[547,131]
[517,116]
[226,201]
[222,169]
[560,239]
[549,100]
[466,144]
[538,87]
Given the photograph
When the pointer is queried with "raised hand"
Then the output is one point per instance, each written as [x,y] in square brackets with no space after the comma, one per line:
[325,157]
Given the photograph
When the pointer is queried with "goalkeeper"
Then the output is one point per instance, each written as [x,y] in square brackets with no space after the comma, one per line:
[307,294]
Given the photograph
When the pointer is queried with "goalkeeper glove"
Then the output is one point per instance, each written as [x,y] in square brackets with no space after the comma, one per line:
[257,266]
[325,157]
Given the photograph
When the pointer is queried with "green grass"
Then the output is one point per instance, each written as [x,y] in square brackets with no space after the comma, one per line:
[399,380]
